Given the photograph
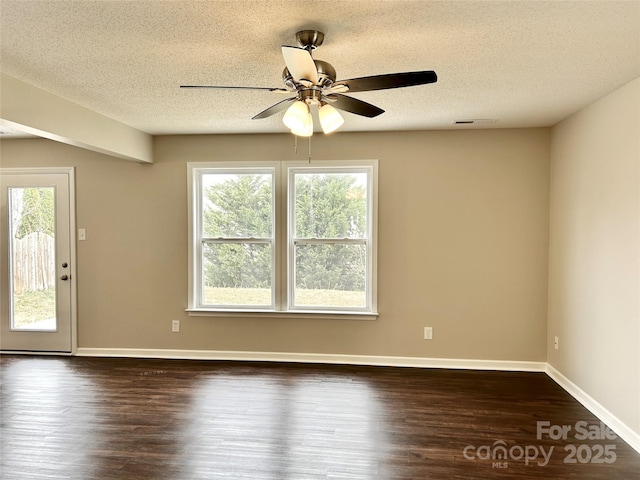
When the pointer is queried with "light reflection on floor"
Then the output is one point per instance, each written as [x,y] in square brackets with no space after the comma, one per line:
[261,429]
[38,397]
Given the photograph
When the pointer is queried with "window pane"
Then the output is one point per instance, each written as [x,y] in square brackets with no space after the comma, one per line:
[32,224]
[237,273]
[331,205]
[331,275]
[237,205]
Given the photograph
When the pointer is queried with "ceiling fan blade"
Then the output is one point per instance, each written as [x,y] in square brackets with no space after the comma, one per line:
[335,88]
[353,105]
[270,89]
[391,80]
[300,64]
[273,109]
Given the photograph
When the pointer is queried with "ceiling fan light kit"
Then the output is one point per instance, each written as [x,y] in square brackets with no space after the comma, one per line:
[313,82]
[330,118]
[307,128]
[296,115]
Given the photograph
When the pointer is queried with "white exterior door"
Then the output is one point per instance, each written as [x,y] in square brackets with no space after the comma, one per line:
[37,266]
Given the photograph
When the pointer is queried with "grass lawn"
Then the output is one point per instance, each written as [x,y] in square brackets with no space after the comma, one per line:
[34,306]
[304,297]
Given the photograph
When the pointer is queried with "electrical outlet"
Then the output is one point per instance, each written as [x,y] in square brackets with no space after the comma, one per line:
[428,333]
[175,326]
[555,343]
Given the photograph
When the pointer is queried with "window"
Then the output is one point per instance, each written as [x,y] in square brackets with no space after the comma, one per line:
[234,253]
[284,237]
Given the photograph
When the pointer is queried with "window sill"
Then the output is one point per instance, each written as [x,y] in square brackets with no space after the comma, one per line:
[320,315]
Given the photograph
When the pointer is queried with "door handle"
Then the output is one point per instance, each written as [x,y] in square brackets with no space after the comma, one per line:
[64,277]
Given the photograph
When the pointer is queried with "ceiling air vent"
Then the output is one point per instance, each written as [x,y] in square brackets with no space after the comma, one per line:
[476,121]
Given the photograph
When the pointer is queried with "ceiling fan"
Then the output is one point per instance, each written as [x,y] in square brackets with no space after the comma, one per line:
[313,82]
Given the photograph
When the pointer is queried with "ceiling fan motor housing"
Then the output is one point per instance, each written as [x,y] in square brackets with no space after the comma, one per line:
[326,75]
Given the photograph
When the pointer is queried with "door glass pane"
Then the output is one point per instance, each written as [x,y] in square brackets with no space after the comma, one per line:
[331,275]
[237,274]
[32,247]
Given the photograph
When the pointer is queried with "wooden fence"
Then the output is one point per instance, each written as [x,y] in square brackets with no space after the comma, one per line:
[34,266]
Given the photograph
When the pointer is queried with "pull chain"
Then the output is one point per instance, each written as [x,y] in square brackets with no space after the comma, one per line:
[295,146]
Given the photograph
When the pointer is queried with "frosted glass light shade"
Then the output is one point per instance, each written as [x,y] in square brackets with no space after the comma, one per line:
[295,118]
[307,128]
[330,118]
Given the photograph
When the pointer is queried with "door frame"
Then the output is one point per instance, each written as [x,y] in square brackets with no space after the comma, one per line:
[73,271]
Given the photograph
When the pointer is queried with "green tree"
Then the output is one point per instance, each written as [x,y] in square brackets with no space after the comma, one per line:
[38,213]
[239,207]
[328,206]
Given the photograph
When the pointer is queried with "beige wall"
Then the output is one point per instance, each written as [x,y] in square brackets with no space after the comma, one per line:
[463,245]
[594,279]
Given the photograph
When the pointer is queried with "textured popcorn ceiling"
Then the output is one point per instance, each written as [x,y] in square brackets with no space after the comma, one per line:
[524,63]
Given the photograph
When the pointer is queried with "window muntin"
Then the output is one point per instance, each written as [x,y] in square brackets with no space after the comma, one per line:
[282,237]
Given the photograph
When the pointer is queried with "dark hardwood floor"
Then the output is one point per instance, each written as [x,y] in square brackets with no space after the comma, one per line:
[90,418]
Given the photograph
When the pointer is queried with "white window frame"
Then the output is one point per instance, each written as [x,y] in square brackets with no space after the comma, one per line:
[196,231]
[283,244]
[369,240]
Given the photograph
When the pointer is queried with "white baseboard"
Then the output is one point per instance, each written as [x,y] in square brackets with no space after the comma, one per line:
[621,429]
[372,360]
[613,422]
[35,352]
